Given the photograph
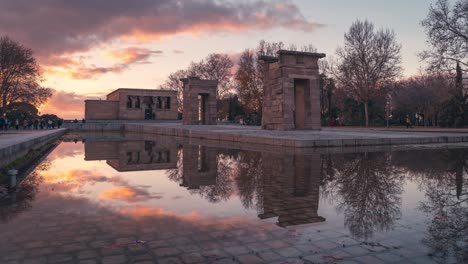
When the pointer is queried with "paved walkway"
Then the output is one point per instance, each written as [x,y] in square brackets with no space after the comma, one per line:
[14,143]
[327,137]
[14,137]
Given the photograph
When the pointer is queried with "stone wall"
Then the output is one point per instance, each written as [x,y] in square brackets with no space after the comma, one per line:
[162,111]
[291,91]
[101,110]
[208,90]
[134,104]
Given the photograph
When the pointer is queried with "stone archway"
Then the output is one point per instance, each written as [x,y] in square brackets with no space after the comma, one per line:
[291,91]
[199,100]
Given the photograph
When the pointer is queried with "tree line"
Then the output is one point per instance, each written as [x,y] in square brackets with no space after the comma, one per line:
[362,83]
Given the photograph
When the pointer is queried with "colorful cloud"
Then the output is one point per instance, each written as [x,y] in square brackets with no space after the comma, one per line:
[54,28]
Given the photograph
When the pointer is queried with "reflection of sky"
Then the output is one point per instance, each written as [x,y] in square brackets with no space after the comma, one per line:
[388,214]
[150,193]
[142,192]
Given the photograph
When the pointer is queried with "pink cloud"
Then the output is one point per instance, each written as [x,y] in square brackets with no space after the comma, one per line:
[57,27]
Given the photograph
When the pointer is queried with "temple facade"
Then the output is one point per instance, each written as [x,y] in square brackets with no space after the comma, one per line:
[134,104]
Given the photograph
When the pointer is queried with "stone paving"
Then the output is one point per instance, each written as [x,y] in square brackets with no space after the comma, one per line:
[327,137]
[15,137]
[82,232]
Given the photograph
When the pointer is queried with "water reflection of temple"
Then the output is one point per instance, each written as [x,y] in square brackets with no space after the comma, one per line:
[291,189]
[134,155]
[286,186]
[200,166]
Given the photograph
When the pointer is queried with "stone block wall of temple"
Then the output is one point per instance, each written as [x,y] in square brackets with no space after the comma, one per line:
[101,110]
[200,104]
[291,91]
[134,104]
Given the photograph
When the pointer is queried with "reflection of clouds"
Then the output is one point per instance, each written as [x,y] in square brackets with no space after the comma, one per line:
[145,212]
[128,194]
[75,181]
[120,193]
[66,150]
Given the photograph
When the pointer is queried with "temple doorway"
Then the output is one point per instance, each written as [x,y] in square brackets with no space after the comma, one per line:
[301,102]
[202,98]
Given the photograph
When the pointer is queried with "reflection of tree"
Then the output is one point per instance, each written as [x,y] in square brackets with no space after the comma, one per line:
[327,176]
[369,187]
[176,174]
[249,178]
[223,189]
[19,201]
[447,202]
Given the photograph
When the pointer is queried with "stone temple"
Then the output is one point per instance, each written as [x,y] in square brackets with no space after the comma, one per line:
[134,104]
[291,91]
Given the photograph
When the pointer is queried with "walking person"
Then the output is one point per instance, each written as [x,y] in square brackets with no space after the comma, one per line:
[408,122]
[7,123]
[17,124]
[2,123]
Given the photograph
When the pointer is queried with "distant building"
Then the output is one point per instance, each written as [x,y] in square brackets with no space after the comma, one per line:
[134,104]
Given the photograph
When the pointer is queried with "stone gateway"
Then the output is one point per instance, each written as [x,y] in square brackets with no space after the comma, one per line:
[200,105]
[291,91]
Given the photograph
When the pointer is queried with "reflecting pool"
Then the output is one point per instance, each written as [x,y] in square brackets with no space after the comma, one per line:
[128,199]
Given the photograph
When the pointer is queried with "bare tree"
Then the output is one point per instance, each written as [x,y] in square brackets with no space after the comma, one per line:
[249,83]
[248,78]
[173,83]
[424,95]
[19,75]
[447,35]
[215,67]
[368,61]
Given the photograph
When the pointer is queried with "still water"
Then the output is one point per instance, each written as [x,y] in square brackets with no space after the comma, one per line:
[114,199]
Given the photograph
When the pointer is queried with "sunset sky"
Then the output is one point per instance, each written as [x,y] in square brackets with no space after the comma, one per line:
[88,48]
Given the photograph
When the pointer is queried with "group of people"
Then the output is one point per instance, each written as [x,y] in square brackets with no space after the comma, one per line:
[36,124]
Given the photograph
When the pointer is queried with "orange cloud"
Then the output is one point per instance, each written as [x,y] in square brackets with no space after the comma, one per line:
[143,212]
[75,180]
[76,68]
[68,181]
[120,193]
[132,54]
